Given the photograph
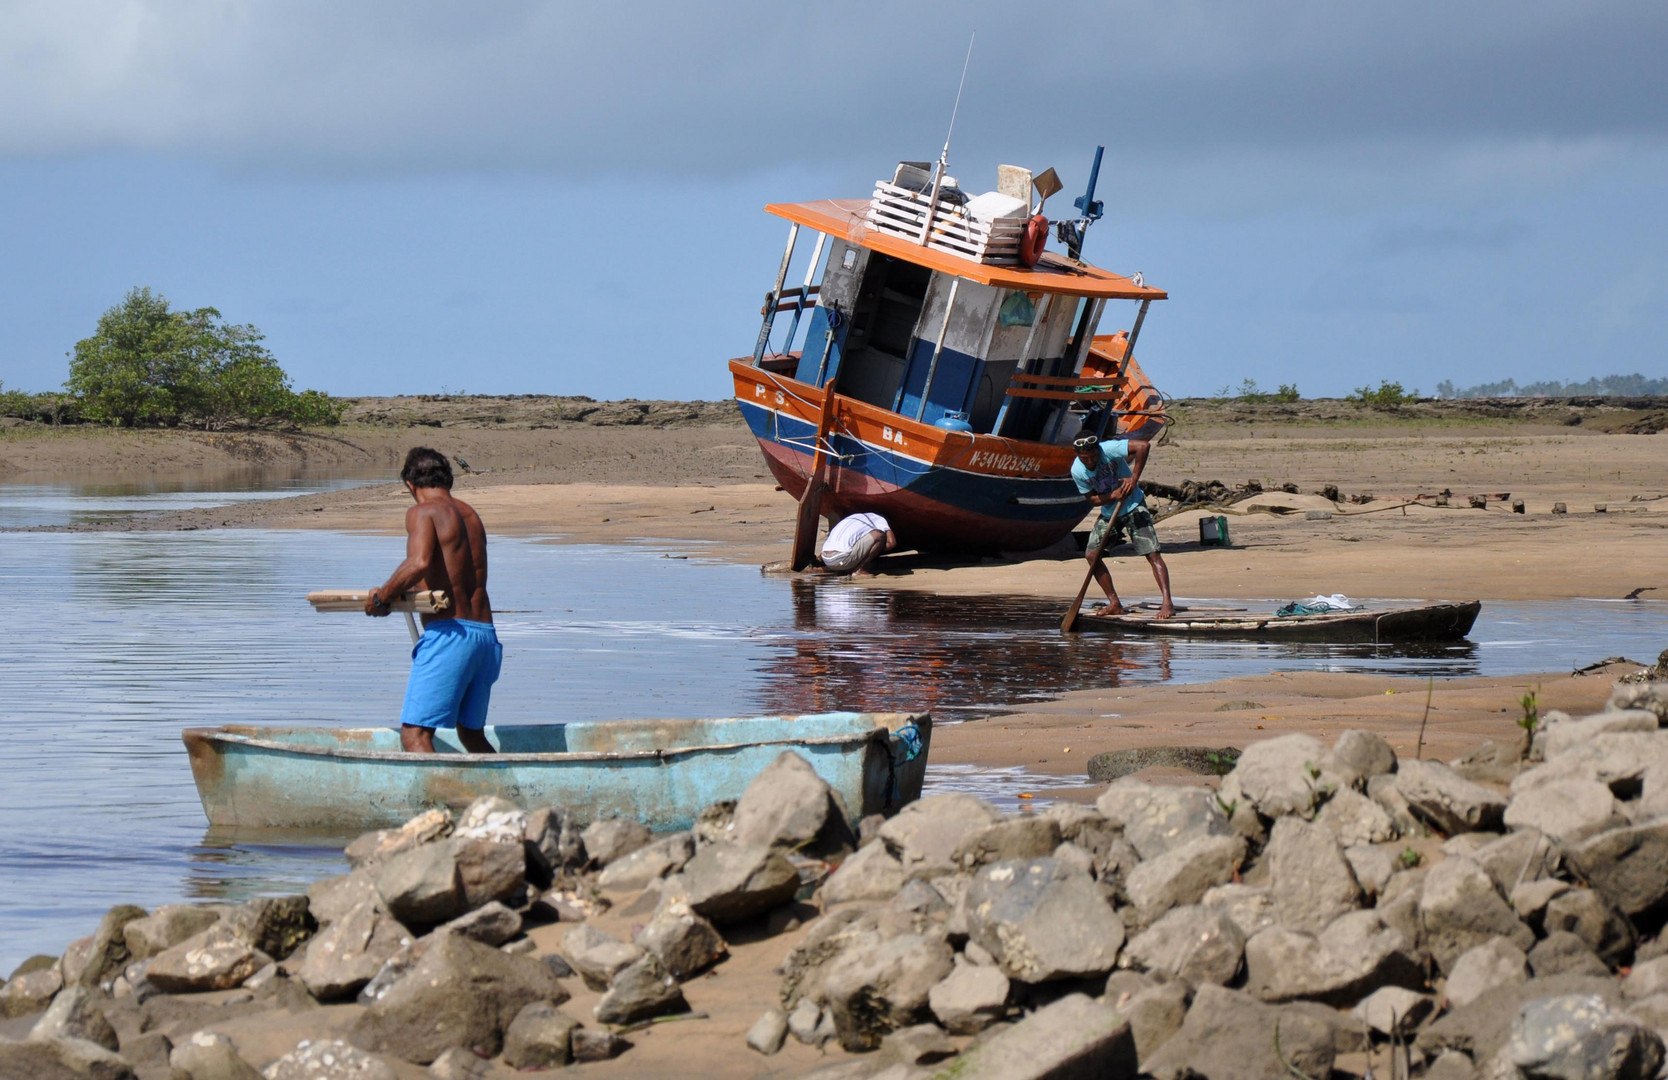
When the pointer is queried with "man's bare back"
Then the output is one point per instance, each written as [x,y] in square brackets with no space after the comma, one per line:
[445,551]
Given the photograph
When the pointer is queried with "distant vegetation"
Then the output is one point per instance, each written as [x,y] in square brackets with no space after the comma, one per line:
[1387,393]
[1609,386]
[1249,392]
[149,366]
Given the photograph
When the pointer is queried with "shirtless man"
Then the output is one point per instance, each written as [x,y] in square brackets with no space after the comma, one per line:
[1108,474]
[456,661]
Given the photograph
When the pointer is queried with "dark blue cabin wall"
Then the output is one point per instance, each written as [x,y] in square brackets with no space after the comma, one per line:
[839,287]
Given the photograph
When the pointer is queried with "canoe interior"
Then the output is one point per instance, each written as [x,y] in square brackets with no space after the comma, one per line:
[1430,622]
[661,772]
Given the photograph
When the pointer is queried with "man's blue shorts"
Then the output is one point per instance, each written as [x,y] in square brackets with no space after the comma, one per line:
[453,667]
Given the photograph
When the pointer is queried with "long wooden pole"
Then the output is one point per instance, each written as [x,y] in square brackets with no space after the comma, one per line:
[810,502]
[1069,623]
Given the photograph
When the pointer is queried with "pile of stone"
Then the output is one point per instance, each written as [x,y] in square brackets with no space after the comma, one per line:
[1328,910]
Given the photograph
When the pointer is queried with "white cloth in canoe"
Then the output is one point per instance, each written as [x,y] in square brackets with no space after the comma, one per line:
[852,528]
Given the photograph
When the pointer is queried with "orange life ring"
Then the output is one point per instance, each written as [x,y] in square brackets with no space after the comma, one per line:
[1033,241]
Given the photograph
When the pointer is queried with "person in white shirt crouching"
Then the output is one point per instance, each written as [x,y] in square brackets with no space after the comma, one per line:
[855,542]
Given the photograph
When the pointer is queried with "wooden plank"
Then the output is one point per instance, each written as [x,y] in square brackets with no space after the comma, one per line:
[422,602]
[1065,395]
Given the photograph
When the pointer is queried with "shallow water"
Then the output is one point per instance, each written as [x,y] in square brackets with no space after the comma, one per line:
[116,641]
[69,502]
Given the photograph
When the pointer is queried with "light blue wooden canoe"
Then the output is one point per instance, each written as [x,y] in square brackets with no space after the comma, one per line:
[659,772]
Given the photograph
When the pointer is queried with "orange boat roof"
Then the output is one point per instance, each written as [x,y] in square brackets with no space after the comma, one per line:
[844,218]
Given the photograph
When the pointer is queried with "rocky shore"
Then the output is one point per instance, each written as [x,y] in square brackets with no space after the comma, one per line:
[1328,910]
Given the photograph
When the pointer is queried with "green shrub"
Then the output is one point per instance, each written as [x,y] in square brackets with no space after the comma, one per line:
[146,365]
[1388,393]
[1250,393]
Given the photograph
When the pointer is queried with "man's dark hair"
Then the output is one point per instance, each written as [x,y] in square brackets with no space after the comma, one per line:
[427,468]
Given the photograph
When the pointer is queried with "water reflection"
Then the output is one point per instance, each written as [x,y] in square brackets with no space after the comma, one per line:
[94,501]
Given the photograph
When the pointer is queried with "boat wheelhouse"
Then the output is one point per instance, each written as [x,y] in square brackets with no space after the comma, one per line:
[937,363]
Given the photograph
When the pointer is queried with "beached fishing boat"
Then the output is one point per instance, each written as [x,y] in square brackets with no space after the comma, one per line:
[938,360]
[1430,622]
[659,772]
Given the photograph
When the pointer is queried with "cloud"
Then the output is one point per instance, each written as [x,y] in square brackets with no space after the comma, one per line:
[380,86]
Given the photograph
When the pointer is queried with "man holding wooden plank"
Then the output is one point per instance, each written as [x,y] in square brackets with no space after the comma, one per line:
[456,661]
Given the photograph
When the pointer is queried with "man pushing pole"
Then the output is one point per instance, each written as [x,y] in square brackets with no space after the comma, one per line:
[457,659]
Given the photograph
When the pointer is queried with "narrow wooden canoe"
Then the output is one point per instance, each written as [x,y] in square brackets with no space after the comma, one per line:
[1432,622]
[659,772]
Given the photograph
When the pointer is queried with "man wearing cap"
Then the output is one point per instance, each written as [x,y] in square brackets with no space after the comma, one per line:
[1108,474]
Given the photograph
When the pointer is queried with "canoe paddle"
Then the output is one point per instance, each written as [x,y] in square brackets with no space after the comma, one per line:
[1069,623]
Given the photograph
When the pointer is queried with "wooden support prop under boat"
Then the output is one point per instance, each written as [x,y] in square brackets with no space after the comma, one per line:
[810,503]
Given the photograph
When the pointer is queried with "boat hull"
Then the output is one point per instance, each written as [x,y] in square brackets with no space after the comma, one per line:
[659,772]
[939,489]
[1435,622]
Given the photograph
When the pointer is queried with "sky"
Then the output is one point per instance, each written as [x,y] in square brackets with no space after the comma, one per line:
[525,197]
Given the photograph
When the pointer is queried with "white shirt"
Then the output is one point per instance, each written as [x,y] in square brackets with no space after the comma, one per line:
[844,536]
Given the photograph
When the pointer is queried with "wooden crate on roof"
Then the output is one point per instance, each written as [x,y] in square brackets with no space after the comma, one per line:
[903,212]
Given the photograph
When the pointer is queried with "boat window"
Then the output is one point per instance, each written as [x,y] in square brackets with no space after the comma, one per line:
[882,326]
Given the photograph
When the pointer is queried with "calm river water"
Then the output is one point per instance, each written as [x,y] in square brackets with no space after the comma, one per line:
[113,642]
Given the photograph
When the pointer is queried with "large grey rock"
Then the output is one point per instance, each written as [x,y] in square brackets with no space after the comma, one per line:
[60,1059]
[917,1045]
[75,1014]
[209,1055]
[1481,968]
[1481,1028]
[614,838]
[420,886]
[1649,696]
[1620,759]
[1030,836]
[878,989]
[1354,956]
[540,1037]
[491,924]
[1566,810]
[1578,1037]
[458,993]
[349,952]
[1584,913]
[275,925]
[789,806]
[492,817]
[871,873]
[328,1059]
[1355,819]
[216,959]
[970,998]
[1195,943]
[554,845]
[374,848]
[1647,979]
[1154,1014]
[1230,1035]
[1628,866]
[1357,756]
[1159,818]
[1394,1010]
[731,882]
[1446,800]
[1372,866]
[1249,907]
[648,863]
[925,834]
[597,956]
[1310,881]
[1042,921]
[1563,953]
[1460,909]
[30,992]
[1556,739]
[642,990]
[333,898]
[492,864]
[1280,776]
[1073,1037]
[107,953]
[1511,860]
[683,942]
[1183,875]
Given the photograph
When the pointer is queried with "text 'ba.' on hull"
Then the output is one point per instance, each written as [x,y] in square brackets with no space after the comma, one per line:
[659,772]
[925,372]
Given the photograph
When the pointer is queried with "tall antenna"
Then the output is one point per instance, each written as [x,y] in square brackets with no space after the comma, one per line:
[944,155]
